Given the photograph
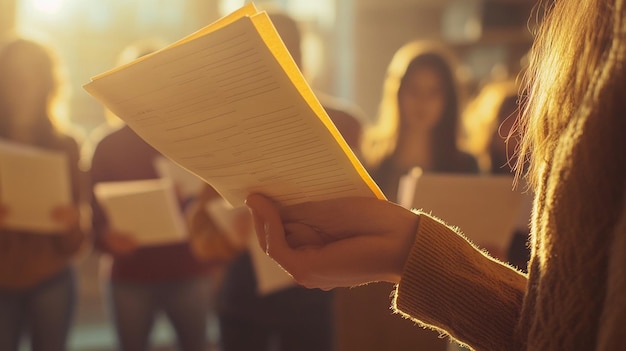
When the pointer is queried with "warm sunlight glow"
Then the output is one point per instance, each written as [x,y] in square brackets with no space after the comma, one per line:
[227,6]
[48,7]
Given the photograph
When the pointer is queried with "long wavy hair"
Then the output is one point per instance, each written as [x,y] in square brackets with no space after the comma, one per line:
[579,51]
[381,139]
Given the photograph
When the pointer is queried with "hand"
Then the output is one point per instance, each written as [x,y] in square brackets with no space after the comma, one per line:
[119,243]
[68,216]
[336,243]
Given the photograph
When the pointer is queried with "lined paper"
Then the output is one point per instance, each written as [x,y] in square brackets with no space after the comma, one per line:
[230,106]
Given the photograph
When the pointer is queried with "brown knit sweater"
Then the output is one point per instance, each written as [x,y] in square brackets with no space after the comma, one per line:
[574,297]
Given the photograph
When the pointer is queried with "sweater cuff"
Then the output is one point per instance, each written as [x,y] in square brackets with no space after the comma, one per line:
[449,285]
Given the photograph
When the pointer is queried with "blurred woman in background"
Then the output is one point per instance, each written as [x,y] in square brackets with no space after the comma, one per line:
[37,283]
[418,119]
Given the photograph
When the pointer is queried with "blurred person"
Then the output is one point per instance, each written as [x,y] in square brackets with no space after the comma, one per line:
[293,318]
[347,117]
[419,114]
[144,281]
[37,278]
[572,138]
[490,120]
[418,118]
[502,147]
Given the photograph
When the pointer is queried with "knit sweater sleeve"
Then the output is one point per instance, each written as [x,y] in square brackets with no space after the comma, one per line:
[451,286]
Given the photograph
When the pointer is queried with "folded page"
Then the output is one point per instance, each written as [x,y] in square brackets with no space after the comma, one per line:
[32,183]
[229,104]
[147,210]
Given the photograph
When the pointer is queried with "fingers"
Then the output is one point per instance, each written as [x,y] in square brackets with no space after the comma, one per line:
[266,219]
[344,217]
[271,231]
[335,243]
[300,236]
[345,263]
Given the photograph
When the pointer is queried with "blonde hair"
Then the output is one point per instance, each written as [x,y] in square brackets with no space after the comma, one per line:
[481,118]
[579,47]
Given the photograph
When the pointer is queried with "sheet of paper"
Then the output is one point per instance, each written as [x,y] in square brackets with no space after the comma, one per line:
[146,209]
[229,104]
[32,183]
[485,208]
[187,183]
[224,216]
[270,277]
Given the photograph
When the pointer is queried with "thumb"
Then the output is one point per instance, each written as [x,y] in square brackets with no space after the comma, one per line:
[267,222]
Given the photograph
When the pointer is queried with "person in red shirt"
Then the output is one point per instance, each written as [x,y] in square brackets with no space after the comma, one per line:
[37,279]
[146,280]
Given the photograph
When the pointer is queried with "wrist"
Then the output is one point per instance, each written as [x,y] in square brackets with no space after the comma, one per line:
[405,244]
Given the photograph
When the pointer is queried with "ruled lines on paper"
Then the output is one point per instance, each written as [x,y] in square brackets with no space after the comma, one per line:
[222,106]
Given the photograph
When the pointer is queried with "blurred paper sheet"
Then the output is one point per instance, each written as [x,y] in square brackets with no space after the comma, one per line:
[485,208]
[186,182]
[270,277]
[224,216]
[33,182]
[146,209]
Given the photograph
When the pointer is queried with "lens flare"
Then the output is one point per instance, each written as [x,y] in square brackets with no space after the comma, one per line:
[48,7]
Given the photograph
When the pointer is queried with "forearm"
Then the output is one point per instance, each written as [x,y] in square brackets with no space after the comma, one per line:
[450,285]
